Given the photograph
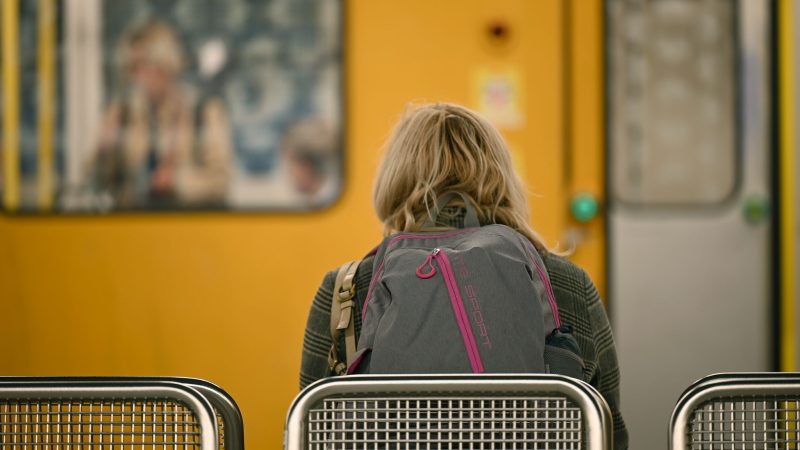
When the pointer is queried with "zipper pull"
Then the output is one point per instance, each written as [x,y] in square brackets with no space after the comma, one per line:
[428,261]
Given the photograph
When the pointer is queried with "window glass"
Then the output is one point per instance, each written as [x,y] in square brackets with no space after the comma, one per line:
[188,104]
[672,114]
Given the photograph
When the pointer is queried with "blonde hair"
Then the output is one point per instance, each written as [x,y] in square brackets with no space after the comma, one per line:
[441,147]
[161,45]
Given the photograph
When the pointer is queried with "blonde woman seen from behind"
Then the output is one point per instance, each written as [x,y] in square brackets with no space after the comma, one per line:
[439,148]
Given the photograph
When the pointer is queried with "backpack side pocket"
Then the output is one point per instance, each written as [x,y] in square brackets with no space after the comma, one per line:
[562,354]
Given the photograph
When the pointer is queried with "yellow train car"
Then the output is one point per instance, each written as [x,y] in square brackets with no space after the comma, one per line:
[224,295]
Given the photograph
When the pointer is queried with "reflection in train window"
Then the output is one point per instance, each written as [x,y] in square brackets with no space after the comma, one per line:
[220,104]
[672,101]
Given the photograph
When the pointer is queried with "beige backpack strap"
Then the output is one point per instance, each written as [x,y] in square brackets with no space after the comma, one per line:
[342,304]
[347,298]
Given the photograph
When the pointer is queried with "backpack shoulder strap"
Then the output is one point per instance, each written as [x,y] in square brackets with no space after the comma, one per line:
[344,292]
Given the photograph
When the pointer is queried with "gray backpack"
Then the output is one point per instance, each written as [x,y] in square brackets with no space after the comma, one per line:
[472,300]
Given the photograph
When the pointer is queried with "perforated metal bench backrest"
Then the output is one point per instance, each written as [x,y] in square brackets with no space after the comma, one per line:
[729,411]
[82,414]
[448,413]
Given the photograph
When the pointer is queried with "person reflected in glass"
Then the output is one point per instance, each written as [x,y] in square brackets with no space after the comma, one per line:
[159,146]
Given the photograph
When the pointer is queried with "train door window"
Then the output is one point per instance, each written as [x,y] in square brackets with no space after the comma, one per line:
[672,104]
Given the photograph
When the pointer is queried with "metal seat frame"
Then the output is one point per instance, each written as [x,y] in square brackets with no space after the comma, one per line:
[203,398]
[596,415]
[224,404]
[727,386]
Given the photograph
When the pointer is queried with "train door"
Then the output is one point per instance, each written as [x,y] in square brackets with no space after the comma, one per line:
[689,176]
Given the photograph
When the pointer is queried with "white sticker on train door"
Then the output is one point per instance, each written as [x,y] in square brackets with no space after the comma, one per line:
[498,96]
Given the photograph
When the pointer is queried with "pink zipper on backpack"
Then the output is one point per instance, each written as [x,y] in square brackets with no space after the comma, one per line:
[396,239]
[458,309]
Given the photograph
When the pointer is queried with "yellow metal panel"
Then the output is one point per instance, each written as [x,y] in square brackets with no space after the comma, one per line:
[787,187]
[225,296]
[428,51]
[9,33]
[45,70]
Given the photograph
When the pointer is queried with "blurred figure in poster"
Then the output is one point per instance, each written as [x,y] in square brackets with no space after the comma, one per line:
[159,146]
[309,150]
[284,104]
[262,95]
